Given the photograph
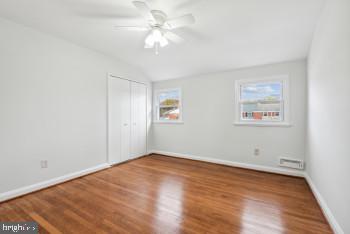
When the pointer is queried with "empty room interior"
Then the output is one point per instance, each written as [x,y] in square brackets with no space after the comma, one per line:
[163,116]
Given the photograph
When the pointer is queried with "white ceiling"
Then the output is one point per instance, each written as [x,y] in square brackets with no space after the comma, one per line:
[228,34]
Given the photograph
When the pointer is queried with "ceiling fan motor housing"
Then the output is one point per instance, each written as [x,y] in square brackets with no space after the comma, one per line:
[160,18]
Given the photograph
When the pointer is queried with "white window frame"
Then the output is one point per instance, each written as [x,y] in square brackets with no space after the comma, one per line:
[156,106]
[285,102]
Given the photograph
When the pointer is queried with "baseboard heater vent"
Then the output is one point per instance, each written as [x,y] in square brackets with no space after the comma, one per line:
[291,163]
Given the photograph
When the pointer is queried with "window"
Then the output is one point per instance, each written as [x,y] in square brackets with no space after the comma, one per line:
[262,101]
[168,105]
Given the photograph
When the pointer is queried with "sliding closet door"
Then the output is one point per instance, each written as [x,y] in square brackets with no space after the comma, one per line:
[118,120]
[138,119]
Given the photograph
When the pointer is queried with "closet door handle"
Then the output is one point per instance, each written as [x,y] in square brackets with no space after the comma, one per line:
[125,124]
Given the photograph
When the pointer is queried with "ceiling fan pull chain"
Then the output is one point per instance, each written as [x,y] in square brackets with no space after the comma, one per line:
[156,46]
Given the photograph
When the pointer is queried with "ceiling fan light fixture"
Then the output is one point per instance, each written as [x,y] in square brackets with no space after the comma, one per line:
[156,38]
[149,41]
[163,42]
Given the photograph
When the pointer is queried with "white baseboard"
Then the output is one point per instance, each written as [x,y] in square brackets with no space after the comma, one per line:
[324,207]
[282,171]
[41,185]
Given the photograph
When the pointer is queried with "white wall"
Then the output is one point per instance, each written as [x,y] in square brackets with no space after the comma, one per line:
[52,105]
[208,114]
[328,152]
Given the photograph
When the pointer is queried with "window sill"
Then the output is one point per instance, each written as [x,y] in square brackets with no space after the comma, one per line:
[257,124]
[168,122]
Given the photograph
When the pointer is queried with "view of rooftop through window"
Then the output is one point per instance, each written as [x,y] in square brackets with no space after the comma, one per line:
[261,101]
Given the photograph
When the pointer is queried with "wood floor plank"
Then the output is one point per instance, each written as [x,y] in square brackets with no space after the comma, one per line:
[43,223]
[159,194]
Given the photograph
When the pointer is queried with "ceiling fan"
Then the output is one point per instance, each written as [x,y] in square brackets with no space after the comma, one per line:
[159,26]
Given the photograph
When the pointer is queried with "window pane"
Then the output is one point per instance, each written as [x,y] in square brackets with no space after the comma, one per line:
[169,113]
[270,111]
[261,91]
[169,97]
[261,101]
[169,103]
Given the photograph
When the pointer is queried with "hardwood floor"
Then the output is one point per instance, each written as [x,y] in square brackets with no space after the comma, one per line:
[158,194]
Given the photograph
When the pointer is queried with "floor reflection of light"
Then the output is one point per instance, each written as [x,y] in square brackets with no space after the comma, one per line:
[261,218]
[169,205]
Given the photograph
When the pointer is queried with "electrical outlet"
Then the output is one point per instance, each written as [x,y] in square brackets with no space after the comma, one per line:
[256,152]
[43,163]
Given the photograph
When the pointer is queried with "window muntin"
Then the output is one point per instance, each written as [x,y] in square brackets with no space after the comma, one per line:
[168,105]
[262,101]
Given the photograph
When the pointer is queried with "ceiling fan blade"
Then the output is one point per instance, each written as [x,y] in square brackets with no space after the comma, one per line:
[180,21]
[186,4]
[144,10]
[132,28]
[173,37]
[107,16]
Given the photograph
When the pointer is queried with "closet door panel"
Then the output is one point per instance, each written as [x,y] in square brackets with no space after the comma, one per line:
[134,120]
[142,120]
[126,115]
[118,120]
[138,120]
